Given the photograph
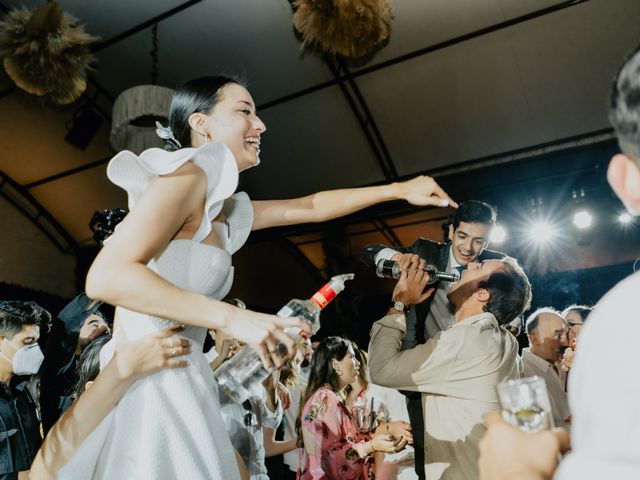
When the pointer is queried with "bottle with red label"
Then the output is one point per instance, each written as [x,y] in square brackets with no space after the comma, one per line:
[241,376]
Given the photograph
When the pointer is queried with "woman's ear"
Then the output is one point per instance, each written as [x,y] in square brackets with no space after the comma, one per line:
[88,385]
[198,123]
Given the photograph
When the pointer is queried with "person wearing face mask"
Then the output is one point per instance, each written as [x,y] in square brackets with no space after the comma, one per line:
[20,356]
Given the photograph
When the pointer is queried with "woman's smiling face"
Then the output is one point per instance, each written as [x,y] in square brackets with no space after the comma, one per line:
[233,121]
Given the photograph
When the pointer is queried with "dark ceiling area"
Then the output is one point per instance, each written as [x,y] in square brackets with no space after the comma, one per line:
[500,100]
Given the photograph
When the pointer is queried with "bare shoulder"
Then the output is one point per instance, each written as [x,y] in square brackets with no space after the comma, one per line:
[189,179]
[189,170]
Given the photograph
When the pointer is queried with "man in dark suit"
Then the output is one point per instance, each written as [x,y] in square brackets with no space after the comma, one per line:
[469,236]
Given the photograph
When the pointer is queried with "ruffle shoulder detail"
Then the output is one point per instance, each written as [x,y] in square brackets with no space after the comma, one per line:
[239,214]
[134,173]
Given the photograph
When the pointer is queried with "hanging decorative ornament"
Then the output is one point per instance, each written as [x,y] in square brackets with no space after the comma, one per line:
[351,28]
[46,53]
[137,109]
[135,112]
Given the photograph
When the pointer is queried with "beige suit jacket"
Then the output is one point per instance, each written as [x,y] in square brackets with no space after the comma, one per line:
[457,371]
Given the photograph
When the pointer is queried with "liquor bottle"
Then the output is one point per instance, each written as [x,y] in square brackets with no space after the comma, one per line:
[241,376]
[391,269]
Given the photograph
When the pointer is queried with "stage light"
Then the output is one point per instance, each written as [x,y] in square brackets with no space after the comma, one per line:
[542,232]
[625,218]
[498,234]
[582,219]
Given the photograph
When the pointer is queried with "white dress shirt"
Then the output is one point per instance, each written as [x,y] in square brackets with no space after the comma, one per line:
[292,458]
[555,380]
[604,391]
[245,429]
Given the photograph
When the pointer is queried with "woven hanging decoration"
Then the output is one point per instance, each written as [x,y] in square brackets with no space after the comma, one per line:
[351,28]
[135,112]
[46,53]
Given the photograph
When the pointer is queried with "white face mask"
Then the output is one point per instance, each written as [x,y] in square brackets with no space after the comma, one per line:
[26,360]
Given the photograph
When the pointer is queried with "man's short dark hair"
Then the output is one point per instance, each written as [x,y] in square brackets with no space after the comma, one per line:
[15,314]
[624,109]
[509,290]
[532,320]
[474,211]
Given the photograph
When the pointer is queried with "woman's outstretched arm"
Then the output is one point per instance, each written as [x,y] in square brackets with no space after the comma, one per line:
[324,206]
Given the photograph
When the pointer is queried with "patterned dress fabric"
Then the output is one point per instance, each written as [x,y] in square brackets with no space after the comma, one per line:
[334,449]
[168,425]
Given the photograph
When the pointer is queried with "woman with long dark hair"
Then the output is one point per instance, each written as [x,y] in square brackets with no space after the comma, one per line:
[334,447]
[169,261]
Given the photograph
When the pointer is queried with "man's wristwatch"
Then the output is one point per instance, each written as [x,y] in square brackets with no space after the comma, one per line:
[399,306]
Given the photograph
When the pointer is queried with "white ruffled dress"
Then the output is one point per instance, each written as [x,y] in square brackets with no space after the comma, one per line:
[168,425]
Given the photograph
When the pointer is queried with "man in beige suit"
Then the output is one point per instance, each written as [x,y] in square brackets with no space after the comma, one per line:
[458,369]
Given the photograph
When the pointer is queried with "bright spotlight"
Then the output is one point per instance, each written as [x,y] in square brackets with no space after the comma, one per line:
[582,219]
[542,232]
[498,234]
[625,218]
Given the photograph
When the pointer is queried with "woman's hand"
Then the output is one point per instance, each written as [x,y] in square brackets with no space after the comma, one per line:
[422,191]
[567,359]
[159,350]
[387,443]
[264,333]
[397,429]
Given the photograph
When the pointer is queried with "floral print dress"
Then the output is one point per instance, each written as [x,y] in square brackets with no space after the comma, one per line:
[334,450]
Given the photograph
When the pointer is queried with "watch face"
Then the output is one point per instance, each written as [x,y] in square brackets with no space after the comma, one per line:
[399,306]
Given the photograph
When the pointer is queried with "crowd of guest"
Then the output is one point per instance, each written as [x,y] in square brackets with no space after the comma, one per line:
[421,403]
[337,422]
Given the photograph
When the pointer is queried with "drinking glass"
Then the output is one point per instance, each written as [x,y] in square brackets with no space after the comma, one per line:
[525,404]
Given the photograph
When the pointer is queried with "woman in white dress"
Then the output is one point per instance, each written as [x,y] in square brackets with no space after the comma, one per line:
[169,261]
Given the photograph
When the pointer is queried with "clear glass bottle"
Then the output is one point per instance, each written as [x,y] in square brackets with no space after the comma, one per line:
[241,376]
[391,269]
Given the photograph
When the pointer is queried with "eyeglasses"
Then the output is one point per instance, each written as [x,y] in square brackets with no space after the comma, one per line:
[573,324]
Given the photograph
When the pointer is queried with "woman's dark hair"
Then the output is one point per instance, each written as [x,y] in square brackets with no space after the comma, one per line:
[582,310]
[321,372]
[363,359]
[196,96]
[89,364]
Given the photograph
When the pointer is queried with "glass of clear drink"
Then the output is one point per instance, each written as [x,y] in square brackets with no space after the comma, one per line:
[358,409]
[525,404]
